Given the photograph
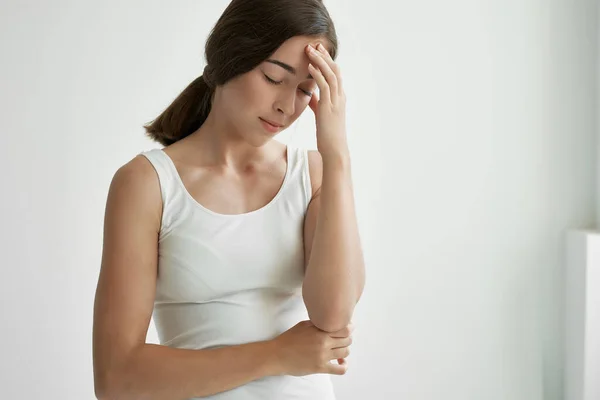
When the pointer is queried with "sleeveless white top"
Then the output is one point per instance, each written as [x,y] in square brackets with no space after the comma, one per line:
[225,280]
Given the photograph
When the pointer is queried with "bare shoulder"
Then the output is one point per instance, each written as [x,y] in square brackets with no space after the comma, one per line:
[315,167]
[135,189]
[138,170]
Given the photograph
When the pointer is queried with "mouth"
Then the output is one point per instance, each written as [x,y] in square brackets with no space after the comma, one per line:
[270,126]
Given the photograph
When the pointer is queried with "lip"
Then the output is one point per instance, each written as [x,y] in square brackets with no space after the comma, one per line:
[270,126]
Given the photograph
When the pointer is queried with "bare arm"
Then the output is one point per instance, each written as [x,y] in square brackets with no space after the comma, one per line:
[335,272]
[164,373]
[125,367]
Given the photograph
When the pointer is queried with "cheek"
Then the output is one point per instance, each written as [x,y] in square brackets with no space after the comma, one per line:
[257,89]
[249,92]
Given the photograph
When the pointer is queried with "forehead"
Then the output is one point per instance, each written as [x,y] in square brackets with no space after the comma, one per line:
[293,49]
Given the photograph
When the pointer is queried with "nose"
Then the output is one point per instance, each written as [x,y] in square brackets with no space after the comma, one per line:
[286,103]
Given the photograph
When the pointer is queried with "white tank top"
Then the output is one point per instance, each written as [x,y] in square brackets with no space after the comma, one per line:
[225,280]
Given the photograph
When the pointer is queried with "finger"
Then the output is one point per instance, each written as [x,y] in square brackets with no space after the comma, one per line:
[344,332]
[340,353]
[314,102]
[343,342]
[325,94]
[333,65]
[337,369]
[317,58]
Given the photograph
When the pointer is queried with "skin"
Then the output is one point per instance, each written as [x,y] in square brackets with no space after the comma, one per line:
[233,153]
[232,150]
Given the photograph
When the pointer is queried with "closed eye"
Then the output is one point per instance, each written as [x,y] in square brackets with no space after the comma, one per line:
[274,82]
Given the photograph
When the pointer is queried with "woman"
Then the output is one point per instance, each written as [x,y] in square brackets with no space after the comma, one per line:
[245,250]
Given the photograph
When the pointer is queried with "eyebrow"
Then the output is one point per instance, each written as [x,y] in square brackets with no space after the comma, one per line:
[287,67]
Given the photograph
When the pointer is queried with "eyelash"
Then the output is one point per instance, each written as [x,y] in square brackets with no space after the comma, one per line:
[309,94]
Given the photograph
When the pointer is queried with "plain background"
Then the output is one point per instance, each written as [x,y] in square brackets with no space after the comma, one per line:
[474,138]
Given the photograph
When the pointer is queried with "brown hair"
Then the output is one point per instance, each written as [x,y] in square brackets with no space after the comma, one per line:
[245,35]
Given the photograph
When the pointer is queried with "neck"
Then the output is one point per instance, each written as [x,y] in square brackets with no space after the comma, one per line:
[222,145]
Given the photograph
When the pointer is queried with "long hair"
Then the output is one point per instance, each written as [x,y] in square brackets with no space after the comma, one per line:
[246,34]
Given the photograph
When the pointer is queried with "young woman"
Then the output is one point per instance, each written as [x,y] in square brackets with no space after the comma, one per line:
[245,250]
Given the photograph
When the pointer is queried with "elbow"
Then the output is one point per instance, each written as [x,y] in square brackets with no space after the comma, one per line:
[328,314]
[105,387]
[101,386]
[331,321]
[113,375]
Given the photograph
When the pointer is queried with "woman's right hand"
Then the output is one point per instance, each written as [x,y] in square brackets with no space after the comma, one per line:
[304,349]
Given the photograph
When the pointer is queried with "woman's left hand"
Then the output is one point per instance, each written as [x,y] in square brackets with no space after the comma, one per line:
[330,108]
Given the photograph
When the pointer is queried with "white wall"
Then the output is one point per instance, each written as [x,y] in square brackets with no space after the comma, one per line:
[597,68]
[473,134]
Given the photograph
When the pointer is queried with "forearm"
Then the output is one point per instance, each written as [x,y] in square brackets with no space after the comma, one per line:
[160,372]
[334,277]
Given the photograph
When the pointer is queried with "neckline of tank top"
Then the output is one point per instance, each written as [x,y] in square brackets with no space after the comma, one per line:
[208,210]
